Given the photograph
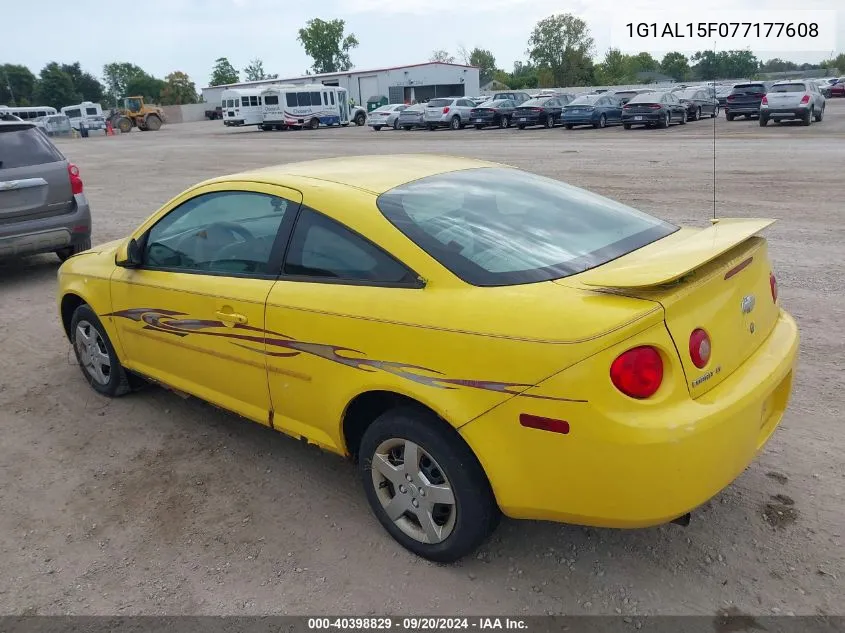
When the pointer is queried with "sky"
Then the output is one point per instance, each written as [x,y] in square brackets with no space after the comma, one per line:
[188,35]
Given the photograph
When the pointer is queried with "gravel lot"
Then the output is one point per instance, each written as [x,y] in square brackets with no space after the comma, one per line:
[152,504]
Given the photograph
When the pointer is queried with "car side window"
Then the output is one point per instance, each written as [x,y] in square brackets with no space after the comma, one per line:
[225,232]
[325,250]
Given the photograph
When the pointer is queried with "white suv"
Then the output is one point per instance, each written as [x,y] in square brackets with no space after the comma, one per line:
[450,111]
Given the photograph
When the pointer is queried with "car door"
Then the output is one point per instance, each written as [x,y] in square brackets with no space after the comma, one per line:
[322,323]
[192,314]
[464,108]
[614,110]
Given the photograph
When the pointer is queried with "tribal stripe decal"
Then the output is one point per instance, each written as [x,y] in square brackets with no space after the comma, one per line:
[281,345]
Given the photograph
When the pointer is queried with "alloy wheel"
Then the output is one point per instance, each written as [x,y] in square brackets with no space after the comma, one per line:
[92,352]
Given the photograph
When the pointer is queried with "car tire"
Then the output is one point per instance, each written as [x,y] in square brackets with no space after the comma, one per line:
[549,122]
[808,118]
[314,123]
[683,120]
[479,127]
[396,124]
[764,121]
[455,123]
[666,121]
[360,119]
[626,126]
[95,354]
[568,126]
[820,115]
[601,123]
[376,128]
[715,112]
[73,249]
[697,115]
[432,127]
[521,126]
[729,116]
[444,460]
[407,128]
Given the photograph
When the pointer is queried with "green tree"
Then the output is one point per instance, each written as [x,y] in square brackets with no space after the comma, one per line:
[255,71]
[145,86]
[441,56]
[485,62]
[117,76]
[706,65]
[17,85]
[178,89]
[55,87]
[325,43]
[613,69]
[223,73]
[777,65]
[84,83]
[739,64]
[562,43]
[642,62]
[676,65]
[836,63]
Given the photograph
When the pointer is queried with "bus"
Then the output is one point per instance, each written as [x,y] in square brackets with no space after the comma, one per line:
[242,106]
[28,112]
[304,106]
[91,114]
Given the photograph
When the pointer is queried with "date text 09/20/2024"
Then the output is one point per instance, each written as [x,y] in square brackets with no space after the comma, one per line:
[722,29]
[418,623]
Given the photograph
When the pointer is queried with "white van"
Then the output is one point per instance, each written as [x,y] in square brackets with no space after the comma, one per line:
[242,106]
[28,112]
[305,106]
[91,114]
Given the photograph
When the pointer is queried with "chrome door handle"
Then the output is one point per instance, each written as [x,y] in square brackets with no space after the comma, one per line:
[231,317]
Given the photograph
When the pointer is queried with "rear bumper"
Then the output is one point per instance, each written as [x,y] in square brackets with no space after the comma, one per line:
[623,468]
[742,109]
[579,120]
[45,235]
[650,117]
[784,113]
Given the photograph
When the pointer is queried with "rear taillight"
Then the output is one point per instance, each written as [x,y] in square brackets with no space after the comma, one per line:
[75,180]
[536,109]
[638,372]
[699,348]
[446,110]
[626,107]
[731,97]
[773,284]
[804,100]
[654,106]
[765,101]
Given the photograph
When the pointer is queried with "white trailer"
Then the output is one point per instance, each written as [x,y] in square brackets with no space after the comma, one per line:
[88,113]
[242,107]
[310,105]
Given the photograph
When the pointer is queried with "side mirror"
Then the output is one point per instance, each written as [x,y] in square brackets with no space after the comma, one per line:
[128,254]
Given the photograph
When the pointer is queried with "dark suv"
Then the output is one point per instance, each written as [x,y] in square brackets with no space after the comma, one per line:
[42,206]
[745,99]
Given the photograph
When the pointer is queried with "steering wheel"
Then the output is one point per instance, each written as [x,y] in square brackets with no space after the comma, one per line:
[200,244]
[233,228]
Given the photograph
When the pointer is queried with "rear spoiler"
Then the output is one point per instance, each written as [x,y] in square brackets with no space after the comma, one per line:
[669,259]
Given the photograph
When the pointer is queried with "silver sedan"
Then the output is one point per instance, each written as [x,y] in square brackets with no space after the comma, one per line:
[385,116]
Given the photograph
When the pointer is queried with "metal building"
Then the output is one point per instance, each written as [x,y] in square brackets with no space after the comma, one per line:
[398,84]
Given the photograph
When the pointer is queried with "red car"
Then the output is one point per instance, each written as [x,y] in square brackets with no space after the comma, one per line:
[837,89]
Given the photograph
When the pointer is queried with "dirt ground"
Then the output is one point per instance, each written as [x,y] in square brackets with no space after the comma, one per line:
[151,504]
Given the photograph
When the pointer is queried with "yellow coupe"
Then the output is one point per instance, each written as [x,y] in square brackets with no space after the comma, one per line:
[480,339]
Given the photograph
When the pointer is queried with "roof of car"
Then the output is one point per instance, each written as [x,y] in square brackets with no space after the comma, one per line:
[375,174]
[11,119]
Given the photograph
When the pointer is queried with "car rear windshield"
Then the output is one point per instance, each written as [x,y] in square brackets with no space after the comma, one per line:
[585,100]
[794,87]
[536,102]
[647,97]
[439,103]
[743,89]
[502,226]
[24,145]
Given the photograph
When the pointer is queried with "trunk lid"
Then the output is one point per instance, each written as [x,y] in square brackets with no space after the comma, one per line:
[717,279]
[785,99]
[34,180]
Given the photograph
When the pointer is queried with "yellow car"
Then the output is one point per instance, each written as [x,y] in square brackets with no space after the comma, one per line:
[480,339]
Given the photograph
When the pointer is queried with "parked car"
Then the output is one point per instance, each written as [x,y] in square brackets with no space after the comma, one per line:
[450,112]
[722,93]
[625,96]
[412,117]
[498,112]
[351,321]
[216,113]
[386,116]
[43,207]
[792,100]
[655,109]
[837,88]
[516,97]
[698,103]
[546,111]
[54,124]
[744,100]
[598,110]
